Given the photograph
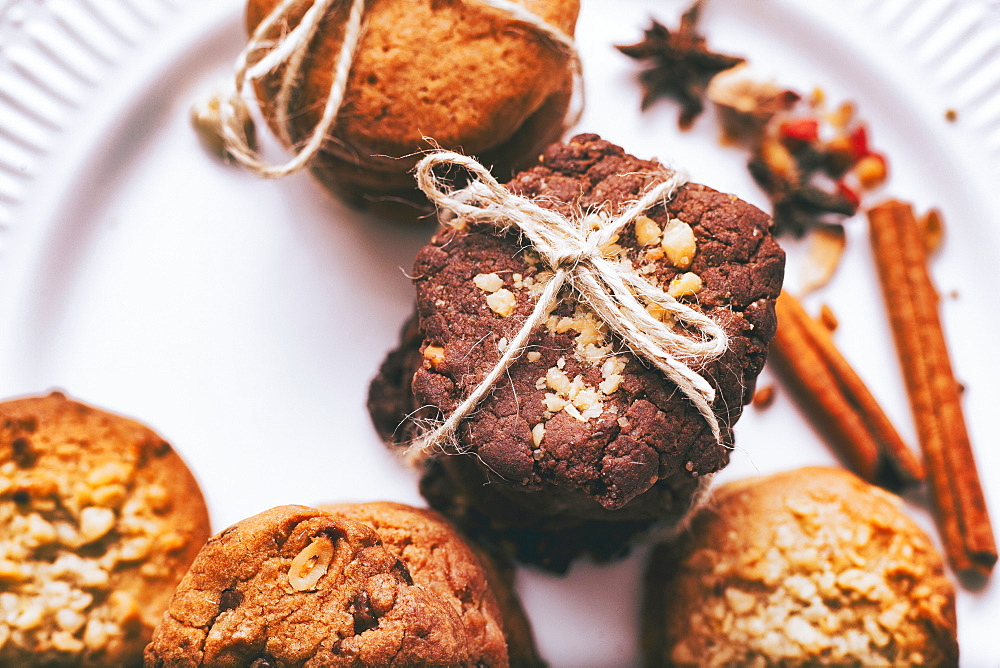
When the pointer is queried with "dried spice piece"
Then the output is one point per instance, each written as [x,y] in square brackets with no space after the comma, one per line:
[814,165]
[838,401]
[832,161]
[763,397]
[826,247]
[798,204]
[681,64]
[932,228]
[745,106]
[935,395]
[828,318]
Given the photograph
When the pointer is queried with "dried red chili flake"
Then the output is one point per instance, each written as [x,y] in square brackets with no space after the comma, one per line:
[849,194]
[799,130]
[859,142]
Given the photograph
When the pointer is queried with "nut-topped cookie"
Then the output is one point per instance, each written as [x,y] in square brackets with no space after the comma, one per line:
[580,433]
[99,518]
[806,567]
[441,560]
[369,584]
[461,74]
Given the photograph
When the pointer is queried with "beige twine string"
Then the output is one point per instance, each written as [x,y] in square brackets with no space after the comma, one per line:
[613,290]
[233,123]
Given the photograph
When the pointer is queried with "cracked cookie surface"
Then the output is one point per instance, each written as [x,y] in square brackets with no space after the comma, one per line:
[99,518]
[580,430]
[479,584]
[463,73]
[367,584]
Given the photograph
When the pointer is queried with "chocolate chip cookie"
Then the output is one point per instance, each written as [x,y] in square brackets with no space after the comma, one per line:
[371,584]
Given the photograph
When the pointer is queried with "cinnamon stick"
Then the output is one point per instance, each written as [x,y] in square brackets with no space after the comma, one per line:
[839,401]
[935,396]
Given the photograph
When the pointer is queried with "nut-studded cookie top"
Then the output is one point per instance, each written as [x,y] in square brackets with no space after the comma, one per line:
[805,567]
[578,411]
[300,586]
[99,518]
[478,584]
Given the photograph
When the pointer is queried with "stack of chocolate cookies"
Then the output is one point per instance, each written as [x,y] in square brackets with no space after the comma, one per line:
[583,443]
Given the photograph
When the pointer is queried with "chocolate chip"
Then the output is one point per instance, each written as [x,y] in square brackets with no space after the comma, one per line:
[21,497]
[29,424]
[155,448]
[364,617]
[333,533]
[263,662]
[229,599]
[401,572]
[22,453]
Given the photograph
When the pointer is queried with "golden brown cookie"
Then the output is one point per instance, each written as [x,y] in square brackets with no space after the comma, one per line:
[420,537]
[370,584]
[463,74]
[812,566]
[99,518]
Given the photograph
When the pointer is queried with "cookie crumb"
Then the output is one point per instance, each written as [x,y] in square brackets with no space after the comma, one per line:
[763,397]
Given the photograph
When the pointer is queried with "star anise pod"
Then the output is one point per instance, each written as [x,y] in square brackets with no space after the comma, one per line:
[680,64]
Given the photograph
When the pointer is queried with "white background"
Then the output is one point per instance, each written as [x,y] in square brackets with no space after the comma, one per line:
[243,319]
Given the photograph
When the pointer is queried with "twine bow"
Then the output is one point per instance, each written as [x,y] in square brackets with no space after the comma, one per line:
[613,290]
[233,123]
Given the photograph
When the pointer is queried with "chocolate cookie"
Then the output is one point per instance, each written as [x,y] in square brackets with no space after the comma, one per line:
[99,518]
[461,73]
[373,584]
[807,567]
[581,436]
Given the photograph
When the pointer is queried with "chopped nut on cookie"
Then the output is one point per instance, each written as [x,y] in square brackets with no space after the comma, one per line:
[345,585]
[99,518]
[810,566]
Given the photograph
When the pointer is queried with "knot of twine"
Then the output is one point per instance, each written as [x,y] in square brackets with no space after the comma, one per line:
[264,54]
[612,289]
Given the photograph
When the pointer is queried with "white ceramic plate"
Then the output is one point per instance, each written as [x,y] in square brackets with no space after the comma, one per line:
[243,319]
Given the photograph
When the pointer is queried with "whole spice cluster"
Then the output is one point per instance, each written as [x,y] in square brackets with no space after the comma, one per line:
[813,164]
